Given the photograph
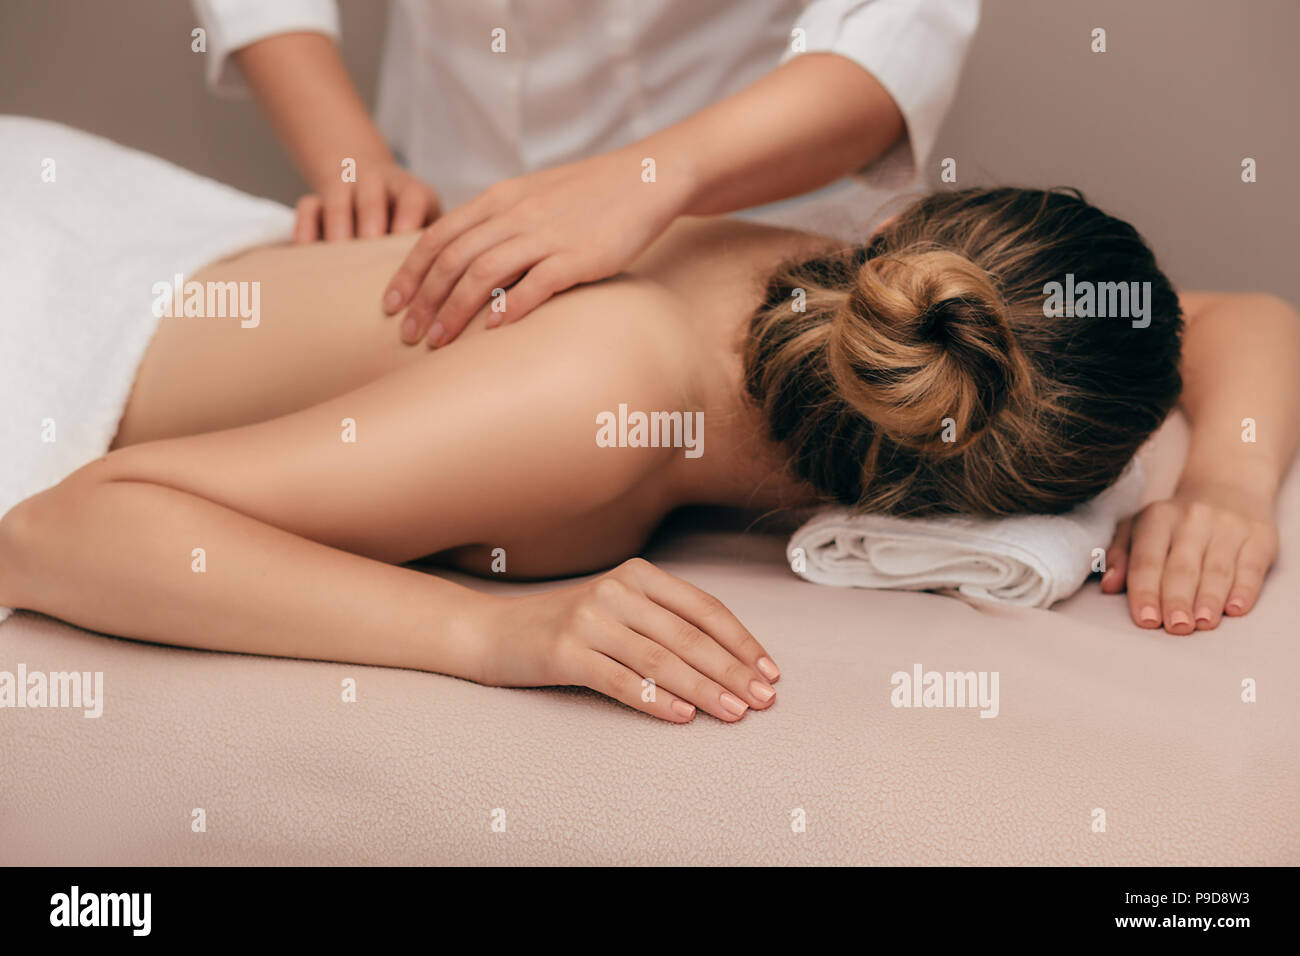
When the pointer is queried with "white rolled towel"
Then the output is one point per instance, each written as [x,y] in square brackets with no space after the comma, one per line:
[1028,560]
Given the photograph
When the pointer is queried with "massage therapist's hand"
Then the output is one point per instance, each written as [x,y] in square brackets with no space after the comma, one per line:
[1191,559]
[384,198]
[532,236]
[636,634]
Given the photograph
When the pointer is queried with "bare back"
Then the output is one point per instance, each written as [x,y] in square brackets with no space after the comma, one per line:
[519,467]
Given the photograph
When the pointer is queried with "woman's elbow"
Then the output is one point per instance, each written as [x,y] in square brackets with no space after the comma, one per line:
[30,531]
[21,530]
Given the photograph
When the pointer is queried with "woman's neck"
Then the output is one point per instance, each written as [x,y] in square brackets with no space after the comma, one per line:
[719,268]
[740,465]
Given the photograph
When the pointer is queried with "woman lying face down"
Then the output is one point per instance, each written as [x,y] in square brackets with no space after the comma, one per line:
[267,483]
[926,376]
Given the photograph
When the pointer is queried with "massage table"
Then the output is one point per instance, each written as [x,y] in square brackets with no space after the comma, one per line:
[1112,745]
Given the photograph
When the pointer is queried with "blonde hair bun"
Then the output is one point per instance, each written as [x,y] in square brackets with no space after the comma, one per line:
[923,347]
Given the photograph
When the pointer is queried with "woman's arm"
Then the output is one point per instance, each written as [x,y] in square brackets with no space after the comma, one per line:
[148,561]
[274,538]
[1241,359]
[1204,552]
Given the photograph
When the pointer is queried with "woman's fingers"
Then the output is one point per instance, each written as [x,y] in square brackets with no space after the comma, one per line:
[703,610]
[613,679]
[1188,565]
[306,219]
[1112,579]
[676,636]
[1152,531]
[1182,571]
[731,681]
[1217,569]
[663,671]
[1253,561]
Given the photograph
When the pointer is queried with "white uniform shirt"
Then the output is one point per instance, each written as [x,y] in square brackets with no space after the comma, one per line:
[580,77]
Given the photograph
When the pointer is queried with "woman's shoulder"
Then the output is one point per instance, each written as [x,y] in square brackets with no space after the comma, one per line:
[627,333]
[693,240]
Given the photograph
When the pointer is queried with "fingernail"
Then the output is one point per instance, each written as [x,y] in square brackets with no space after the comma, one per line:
[1204,615]
[768,667]
[733,704]
[409,328]
[683,709]
[436,332]
[761,690]
[392,299]
[1179,618]
[1149,615]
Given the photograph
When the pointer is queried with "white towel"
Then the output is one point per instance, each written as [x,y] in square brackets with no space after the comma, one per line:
[1030,560]
[86,228]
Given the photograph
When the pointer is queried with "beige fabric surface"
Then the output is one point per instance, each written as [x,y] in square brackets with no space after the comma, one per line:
[1094,714]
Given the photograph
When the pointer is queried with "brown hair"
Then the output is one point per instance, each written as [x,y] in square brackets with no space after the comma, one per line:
[923,377]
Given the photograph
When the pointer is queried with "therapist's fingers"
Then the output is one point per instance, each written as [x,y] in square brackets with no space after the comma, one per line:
[371,207]
[411,273]
[337,214]
[549,277]
[306,219]
[445,271]
[494,269]
[415,206]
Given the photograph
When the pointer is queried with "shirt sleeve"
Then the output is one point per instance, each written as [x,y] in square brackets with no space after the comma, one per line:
[915,48]
[234,24]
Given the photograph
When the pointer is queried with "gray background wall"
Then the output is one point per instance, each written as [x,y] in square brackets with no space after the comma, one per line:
[1154,129]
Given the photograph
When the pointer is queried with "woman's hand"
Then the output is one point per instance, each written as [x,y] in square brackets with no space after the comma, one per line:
[533,236]
[385,198]
[1191,559]
[638,635]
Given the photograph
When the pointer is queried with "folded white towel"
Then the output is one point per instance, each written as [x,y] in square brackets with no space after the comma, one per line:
[86,229]
[1030,560]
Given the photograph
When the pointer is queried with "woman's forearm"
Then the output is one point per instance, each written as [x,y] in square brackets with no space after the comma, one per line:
[1241,391]
[781,136]
[124,557]
[304,89]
